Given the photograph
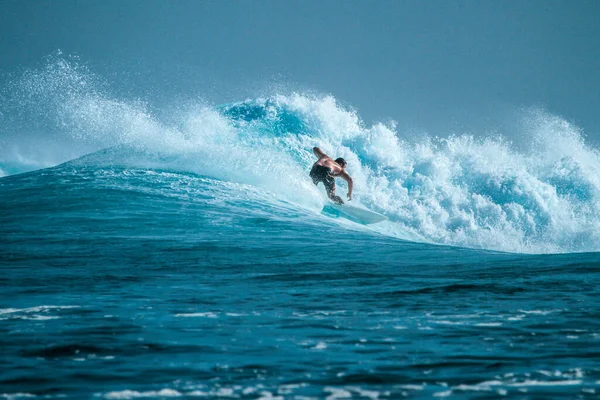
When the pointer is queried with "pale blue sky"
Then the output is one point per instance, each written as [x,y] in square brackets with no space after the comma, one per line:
[424,63]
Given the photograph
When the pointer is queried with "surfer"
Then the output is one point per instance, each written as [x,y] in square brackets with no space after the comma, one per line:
[326,169]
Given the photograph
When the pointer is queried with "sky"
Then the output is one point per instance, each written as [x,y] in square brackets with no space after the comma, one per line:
[427,64]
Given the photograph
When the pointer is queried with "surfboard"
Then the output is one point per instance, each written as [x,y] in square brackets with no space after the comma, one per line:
[360,215]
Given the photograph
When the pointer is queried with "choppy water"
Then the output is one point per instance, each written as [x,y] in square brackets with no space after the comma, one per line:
[187,255]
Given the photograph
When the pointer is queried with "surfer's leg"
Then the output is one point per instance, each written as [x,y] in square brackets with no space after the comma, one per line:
[329,183]
[336,199]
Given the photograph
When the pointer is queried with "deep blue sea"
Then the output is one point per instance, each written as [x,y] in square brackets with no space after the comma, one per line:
[184,253]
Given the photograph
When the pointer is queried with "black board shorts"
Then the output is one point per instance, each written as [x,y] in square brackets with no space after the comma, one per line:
[319,173]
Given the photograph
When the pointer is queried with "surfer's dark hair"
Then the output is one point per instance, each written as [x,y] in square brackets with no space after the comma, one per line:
[341,161]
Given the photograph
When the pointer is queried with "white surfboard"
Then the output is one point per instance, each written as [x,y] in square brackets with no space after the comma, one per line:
[360,215]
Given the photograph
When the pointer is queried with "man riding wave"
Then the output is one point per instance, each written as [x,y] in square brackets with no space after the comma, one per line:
[326,169]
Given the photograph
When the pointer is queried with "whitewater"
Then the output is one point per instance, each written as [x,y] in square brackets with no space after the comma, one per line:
[180,250]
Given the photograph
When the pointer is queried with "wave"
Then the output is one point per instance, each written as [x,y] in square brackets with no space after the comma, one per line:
[480,191]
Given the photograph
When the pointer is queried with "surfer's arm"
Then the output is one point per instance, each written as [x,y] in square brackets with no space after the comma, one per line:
[319,153]
[348,179]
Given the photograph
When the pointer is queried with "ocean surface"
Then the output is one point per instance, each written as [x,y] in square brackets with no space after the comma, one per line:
[151,252]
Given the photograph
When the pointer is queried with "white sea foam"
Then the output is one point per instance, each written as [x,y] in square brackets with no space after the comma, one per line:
[526,383]
[337,393]
[540,195]
[412,387]
[538,312]
[265,395]
[30,313]
[444,322]
[370,394]
[502,387]
[34,309]
[133,394]
[320,346]
[200,314]
[289,388]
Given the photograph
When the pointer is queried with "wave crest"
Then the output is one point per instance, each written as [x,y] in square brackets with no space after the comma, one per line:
[467,190]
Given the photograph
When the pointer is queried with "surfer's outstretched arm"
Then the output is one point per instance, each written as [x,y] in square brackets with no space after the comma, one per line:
[348,179]
[319,153]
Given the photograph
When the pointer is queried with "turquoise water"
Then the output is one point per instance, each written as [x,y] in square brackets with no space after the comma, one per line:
[186,254]
[134,282]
